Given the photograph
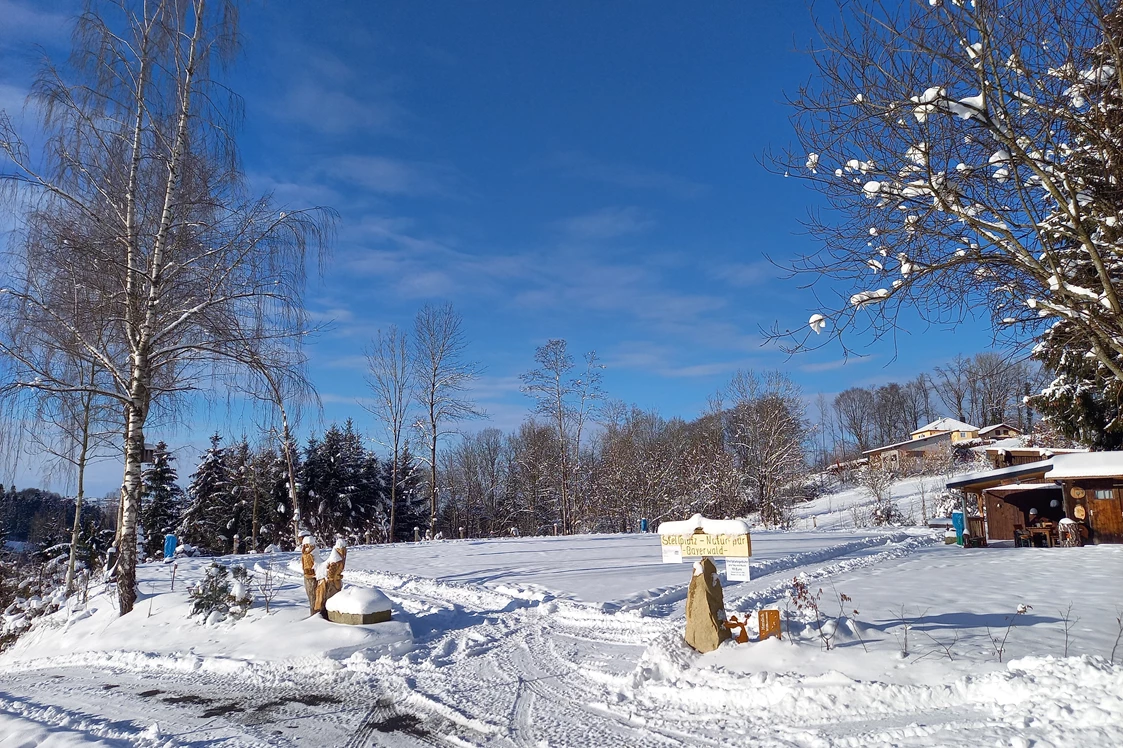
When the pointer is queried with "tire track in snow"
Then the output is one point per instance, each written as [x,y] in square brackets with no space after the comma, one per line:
[663,603]
[533,668]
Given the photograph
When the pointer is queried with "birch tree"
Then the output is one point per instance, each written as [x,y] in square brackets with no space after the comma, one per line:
[442,376]
[391,381]
[190,269]
[567,399]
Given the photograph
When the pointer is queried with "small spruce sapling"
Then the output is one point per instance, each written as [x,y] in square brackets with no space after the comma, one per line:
[222,591]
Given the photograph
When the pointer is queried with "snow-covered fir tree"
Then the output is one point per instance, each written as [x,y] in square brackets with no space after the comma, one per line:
[277,527]
[203,524]
[244,493]
[1085,400]
[412,498]
[342,485]
[162,500]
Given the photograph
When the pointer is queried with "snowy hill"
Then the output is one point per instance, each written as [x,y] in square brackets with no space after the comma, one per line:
[848,506]
[577,641]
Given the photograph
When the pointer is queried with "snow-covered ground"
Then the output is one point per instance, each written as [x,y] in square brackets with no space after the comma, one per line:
[577,641]
[849,507]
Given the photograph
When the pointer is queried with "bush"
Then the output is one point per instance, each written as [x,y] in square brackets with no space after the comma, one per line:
[887,512]
[222,591]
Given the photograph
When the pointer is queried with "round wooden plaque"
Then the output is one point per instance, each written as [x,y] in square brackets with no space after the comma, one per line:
[1077,492]
[1079,511]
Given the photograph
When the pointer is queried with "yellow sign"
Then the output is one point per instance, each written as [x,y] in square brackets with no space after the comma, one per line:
[700,544]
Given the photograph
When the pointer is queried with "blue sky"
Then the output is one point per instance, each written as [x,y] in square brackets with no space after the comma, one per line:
[582,170]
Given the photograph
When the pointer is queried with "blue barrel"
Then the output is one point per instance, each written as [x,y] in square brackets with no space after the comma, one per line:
[170,542]
[959,524]
[643,525]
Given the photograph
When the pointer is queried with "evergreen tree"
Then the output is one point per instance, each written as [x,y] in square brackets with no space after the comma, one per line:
[202,524]
[162,499]
[237,507]
[1085,400]
[412,498]
[319,488]
[360,500]
[277,529]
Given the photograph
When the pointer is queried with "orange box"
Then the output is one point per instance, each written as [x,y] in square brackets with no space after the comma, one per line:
[769,624]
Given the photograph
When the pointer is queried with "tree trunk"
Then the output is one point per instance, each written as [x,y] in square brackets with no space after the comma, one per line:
[393,492]
[82,453]
[432,471]
[130,501]
[256,501]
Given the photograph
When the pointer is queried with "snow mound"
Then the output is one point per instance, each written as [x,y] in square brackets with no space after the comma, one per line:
[358,601]
[708,526]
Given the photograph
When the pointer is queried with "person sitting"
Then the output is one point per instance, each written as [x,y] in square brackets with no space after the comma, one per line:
[1036,520]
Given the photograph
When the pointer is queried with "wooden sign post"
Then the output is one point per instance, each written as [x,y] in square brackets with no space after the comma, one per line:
[699,537]
[768,622]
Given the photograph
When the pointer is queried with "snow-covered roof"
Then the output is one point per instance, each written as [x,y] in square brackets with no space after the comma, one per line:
[1014,471]
[994,426]
[1015,487]
[1009,443]
[1087,465]
[946,424]
[912,444]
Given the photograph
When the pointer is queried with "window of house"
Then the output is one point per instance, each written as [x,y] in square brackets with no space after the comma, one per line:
[1103,493]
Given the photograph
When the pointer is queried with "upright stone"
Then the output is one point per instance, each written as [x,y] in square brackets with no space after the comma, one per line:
[705,608]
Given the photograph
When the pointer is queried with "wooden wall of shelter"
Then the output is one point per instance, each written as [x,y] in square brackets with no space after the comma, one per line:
[1098,502]
[1006,509]
[1095,502]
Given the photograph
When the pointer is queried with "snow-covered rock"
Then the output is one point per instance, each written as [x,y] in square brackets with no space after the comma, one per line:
[708,526]
[358,601]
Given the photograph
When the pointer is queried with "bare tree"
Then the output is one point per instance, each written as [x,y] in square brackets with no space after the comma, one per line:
[891,413]
[855,411]
[76,429]
[917,403]
[766,428]
[953,385]
[441,380]
[390,378]
[191,271]
[567,401]
[279,384]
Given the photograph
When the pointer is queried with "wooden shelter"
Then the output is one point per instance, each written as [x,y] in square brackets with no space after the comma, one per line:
[1084,487]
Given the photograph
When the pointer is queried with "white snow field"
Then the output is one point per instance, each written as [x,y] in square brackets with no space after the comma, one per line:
[577,641]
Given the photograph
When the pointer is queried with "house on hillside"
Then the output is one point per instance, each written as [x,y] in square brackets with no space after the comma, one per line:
[959,430]
[910,452]
[1085,487]
[923,444]
[999,431]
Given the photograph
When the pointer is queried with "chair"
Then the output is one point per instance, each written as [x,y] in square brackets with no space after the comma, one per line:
[1021,537]
[975,537]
